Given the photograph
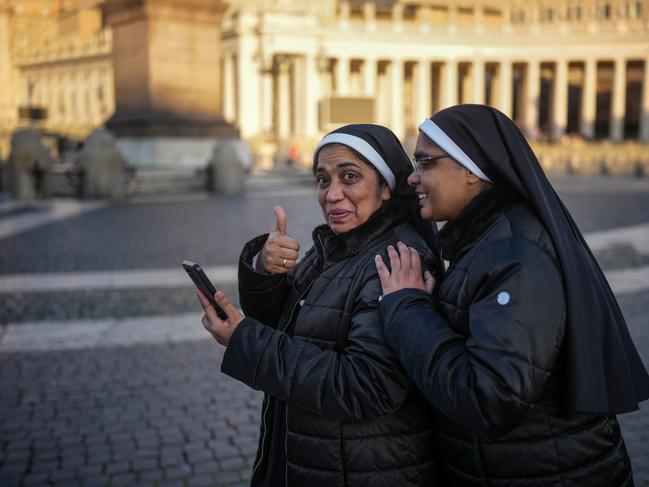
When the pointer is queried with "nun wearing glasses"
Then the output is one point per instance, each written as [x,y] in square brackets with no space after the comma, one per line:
[524,354]
[339,409]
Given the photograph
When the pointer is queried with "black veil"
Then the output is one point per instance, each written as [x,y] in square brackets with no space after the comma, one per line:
[605,374]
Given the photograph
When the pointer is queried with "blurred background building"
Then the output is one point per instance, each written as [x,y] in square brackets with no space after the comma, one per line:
[291,70]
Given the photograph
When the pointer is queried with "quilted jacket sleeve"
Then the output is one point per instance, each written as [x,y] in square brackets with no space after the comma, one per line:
[261,296]
[488,379]
[364,381]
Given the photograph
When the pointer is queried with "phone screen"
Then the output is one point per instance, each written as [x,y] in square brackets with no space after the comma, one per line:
[202,282]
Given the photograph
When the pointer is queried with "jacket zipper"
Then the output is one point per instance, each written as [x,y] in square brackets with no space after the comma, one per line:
[264,413]
[263,439]
[324,265]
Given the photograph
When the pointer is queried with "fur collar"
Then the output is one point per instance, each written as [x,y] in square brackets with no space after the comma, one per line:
[472,221]
[335,247]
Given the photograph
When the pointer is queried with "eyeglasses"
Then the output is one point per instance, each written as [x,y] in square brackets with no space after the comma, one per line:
[422,163]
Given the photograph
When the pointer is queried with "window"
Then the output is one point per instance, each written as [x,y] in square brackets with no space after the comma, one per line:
[518,16]
[574,12]
[605,11]
[356,10]
[635,10]
[547,15]
[410,12]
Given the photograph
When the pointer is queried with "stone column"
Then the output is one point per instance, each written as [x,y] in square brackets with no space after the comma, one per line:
[450,83]
[478,78]
[311,96]
[342,76]
[248,98]
[505,87]
[166,62]
[229,99]
[616,127]
[369,12]
[397,16]
[560,99]
[507,18]
[425,18]
[6,102]
[343,13]
[532,94]
[644,112]
[396,109]
[283,99]
[424,91]
[589,99]
[267,75]
[452,18]
[478,17]
[369,77]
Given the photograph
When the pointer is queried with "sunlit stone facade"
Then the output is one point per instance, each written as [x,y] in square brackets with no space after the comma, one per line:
[292,70]
[55,67]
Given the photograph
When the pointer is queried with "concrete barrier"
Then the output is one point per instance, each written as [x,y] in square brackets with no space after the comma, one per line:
[28,165]
[102,167]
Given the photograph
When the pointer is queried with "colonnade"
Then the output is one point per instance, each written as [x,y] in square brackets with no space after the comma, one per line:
[534,92]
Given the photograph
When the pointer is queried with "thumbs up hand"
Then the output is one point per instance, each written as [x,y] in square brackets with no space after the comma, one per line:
[280,252]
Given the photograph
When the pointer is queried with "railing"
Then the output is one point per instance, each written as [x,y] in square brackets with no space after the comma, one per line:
[99,43]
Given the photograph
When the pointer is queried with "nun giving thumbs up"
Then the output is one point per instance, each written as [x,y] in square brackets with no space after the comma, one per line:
[280,252]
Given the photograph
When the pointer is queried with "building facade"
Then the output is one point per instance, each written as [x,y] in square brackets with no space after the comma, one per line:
[293,70]
[56,60]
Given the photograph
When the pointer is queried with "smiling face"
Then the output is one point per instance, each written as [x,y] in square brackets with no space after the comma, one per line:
[444,186]
[349,190]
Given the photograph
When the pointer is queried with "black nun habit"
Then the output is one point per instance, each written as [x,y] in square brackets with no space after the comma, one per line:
[604,371]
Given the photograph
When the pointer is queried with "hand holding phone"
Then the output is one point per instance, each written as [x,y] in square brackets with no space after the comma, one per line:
[202,282]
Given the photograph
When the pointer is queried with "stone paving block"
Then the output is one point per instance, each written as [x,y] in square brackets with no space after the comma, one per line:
[207,467]
[150,476]
[117,468]
[171,483]
[199,456]
[145,464]
[177,471]
[21,455]
[201,481]
[90,470]
[44,467]
[227,478]
[63,475]
[232,463]
[171,461]
[36,478]
[94,481]
[10,478]
[123,479]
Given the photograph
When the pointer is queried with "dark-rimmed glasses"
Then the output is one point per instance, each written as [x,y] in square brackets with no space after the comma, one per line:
[422,163]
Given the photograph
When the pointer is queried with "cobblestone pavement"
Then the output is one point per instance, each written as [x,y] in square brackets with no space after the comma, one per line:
[162,414]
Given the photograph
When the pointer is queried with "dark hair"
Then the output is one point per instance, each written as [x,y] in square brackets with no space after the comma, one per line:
[382,181]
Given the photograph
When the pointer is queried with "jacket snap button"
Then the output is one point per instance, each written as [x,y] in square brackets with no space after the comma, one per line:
[503,298]
[301,302]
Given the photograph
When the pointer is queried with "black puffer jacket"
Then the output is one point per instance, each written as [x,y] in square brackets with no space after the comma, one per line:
[489,358]
[338,402]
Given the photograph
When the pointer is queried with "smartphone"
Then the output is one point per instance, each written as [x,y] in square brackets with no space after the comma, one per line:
[203,283]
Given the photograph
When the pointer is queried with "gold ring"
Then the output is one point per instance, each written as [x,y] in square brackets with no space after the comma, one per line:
[284,263]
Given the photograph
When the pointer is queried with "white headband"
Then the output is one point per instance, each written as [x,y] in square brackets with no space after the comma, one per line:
[437,135]
[363,148]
